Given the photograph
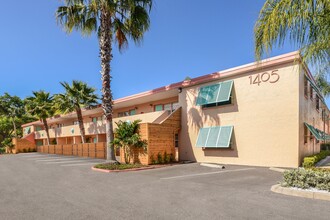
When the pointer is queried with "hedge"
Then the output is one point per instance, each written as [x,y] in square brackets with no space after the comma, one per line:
[307,178]
[325,146]
[310,161]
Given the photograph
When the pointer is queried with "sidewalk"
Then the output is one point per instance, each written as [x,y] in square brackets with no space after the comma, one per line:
[325,163]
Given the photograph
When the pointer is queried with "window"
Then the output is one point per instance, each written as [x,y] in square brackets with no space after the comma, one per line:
[38,128]
[123,114]
[95,140]
[158,108]
[168,107]
[27,130]
[175,106]
[132,112]
[94,119]
[60,125]
[215,95]
[215,137]
[176,140]
[311,92]
[305,87]
[127,113]
[76,123]
[305,134]
[317,103]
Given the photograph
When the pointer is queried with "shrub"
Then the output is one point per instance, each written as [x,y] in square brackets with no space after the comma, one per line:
[152,159]
[172,159]
[25,150]
[310,161]
[18,151]
[159,158]
[113,166]
[167,157]
[307,178]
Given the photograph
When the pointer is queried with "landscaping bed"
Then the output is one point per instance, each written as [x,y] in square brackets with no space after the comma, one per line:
[111,166]
[314,178]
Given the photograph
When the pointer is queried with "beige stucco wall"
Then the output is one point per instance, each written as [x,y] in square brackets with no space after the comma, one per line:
[265,120]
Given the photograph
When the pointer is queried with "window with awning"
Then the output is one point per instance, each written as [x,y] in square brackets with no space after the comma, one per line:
[215,137]
[216,93]
[318,134]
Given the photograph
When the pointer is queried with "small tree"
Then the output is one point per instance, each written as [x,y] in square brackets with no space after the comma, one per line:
[127,137]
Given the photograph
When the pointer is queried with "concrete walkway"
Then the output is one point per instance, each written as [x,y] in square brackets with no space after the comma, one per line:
[325,163]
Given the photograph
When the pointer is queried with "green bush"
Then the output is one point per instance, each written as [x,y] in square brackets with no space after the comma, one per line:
[172,158]
[2,150]
[325,146]
[167,157]
[307,178]
[159,158]
[310,161]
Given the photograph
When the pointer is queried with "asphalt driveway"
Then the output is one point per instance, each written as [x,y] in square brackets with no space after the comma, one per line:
[35,186]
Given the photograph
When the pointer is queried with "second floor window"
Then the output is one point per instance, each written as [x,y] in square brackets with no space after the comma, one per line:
[305,87]
[311,92]
[317,103]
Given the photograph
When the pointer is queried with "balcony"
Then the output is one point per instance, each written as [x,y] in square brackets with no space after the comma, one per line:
[93,128]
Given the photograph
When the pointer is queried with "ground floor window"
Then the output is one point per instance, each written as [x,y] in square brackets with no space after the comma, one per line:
[176,140]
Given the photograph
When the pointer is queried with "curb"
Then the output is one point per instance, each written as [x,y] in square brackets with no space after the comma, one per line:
[277,169]
[212,165]
[128,170]
[300,193]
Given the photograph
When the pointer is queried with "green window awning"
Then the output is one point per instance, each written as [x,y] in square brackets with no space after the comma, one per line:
[215,93]
[214,137]
[318,134]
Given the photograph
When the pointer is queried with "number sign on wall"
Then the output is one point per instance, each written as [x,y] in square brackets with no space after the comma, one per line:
[271,77]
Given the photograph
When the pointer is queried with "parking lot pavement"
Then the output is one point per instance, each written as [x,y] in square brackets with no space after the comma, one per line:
[35,186]
[66,161]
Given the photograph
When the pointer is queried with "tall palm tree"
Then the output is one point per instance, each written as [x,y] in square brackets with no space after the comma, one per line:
[41,105]
[113,20]
[76,96]
[305,22]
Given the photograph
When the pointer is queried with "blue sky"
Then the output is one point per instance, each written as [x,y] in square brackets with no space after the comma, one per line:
[186,38]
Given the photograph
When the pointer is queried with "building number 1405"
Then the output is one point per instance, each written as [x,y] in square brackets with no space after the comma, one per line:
[271,77]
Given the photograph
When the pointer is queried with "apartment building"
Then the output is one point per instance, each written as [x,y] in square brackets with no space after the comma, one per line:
[269,113]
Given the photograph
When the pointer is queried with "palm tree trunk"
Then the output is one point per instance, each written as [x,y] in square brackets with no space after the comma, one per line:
[46,129]
[81,124]
[105,39]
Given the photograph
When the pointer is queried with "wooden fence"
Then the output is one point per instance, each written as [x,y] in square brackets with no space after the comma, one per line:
[92,150]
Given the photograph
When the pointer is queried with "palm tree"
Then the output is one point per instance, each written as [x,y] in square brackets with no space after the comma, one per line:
[305,22]
[41,105]
[76,96]
[113,20]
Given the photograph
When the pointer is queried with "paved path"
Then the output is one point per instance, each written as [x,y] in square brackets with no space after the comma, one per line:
[35,186]
[325,163]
